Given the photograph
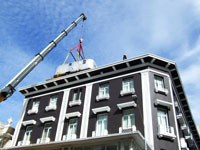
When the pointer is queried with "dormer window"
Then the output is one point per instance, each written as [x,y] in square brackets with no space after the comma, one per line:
[35,107]
[52,103]
[159,85]
[127,87]
[103,92]
[76,99]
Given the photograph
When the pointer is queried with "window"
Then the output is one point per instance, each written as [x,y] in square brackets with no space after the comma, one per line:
[46,133]
[101,125]
[76,99]
[35,107]
[127,86]
[52,103]
[27,135]
[128,119]
[72,129]
[163,125]
[103,92]
[75,96]
[159,85]
[159,82]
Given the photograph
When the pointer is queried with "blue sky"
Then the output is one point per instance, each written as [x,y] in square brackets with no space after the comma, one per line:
[167,28]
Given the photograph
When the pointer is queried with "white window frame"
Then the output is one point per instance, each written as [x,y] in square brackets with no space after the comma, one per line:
[27,135]
[127,87]
[77,100]
[72,132]
[102,128]
[160,85]
[130,114]
[46,136]
[103,92]
[52,103]
[164,129]
[35,107]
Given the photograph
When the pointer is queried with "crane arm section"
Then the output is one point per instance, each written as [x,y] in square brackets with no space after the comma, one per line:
[8,90]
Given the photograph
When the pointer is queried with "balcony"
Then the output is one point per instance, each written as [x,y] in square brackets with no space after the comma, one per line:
[127,130]
[129,92]
[68,137]
[50,107]
[166,132]
[102,97]
[22,143]
[94,133]
[43,140]
[75,103]
[161,90]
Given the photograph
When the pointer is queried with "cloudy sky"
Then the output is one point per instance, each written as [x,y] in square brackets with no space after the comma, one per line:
[167,28]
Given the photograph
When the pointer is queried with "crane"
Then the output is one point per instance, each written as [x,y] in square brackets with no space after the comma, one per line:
[9,88]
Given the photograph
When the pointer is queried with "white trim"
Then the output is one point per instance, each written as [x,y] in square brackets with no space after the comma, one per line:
[45,119]
[19,124]
[32,111]
[73,114]
[86,111]
[174,111]
[62,115]
[163,103]
[127,104]
[29,122]
[147,109]
[101,109]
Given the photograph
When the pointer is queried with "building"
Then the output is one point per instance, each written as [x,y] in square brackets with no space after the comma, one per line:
[6,132]
[134,104]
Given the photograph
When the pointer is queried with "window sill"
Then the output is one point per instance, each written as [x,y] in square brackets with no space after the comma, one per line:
[32,111]
[104,97]
[75,103]
[48,108]
[123,93]
[167,135]
[161,91]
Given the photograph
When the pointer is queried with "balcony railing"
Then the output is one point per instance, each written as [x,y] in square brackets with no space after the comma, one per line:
[94,133]
[68,137]
[22,143]
[167,132]
[43,140]
[127,130]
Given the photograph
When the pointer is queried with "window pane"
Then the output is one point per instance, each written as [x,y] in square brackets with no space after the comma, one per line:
[127,85]
[101,126]
[163,119]
[72,129]
[36,104]
[128,119]
[53,100]
[159,82]
[75,96]
[103,89]
[47,131]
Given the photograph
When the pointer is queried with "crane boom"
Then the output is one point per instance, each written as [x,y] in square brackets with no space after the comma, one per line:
[8,90]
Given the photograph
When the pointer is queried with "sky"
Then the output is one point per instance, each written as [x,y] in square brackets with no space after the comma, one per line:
[167,28]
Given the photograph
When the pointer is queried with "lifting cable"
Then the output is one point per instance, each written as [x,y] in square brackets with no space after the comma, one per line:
[79,48]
